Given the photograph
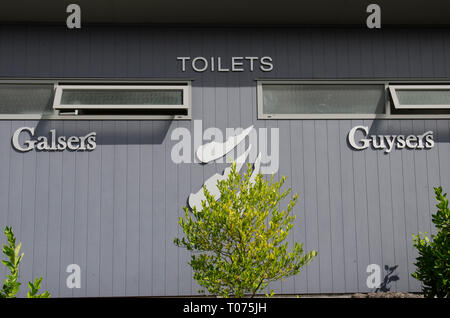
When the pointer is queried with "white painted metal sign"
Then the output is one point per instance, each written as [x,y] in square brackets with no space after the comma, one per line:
[388,142]
[51,142]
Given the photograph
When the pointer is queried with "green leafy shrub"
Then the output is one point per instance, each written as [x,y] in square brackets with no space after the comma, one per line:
[238,241]
[11,285]
[433,262]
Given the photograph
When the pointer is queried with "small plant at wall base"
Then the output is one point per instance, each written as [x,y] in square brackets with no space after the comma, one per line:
[239,241]
[433,262]
[11,285]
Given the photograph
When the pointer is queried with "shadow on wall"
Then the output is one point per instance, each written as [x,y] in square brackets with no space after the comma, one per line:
[388,279]
[110,132]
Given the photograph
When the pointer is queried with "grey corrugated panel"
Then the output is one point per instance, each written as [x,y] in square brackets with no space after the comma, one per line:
[438,54]
[378,55]
[349,211]
[386,209]
[19,54]
[354,54]
[93,238]
[96,53]
[361,213]
[120,208]
[280,45]
[289,285]
[298,186]
[341,54]
[372,172]
[330,42]
[197,176]
[8,52]
[41,217]
[16,186]
[434,176]
[293,53]
[145,210]
[366,49]
[335,206]
[108,55]
[207,104]
[5,130]
[285,170]
[398,212]
[277,286]
[318,55]
[391,66]
[264,126]
[133,208]
[411,213]
[184,188]
[306,57]
[423,185]
[108,167]
[323,205]
[445,62]
[81,208]
[443,148]
[27,222]
[133,54]
[55,269]
[171,220]
[401,54]
[158,219]
[67,212]
[311,197]
[427,54]
[414,54]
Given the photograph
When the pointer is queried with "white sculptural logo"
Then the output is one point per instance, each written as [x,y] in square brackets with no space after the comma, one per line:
[217,149]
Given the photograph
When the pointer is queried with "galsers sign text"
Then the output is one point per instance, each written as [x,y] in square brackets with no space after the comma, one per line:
[51,142]
[363,140]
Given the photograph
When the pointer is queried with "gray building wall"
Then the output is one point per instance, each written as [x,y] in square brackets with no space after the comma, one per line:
[114,210]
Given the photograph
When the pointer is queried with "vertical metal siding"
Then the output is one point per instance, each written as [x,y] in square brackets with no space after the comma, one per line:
[114,211]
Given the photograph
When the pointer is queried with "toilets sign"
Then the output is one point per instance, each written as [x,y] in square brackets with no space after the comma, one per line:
[202,64]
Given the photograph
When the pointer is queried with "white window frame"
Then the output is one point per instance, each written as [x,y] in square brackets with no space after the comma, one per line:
[61,88]
[185,84]
[262,115]
[386,82]
[393,90]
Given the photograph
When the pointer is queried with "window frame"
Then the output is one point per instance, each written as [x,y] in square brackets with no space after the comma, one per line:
[59,90]
[185,84]
[387,83]
[393,90]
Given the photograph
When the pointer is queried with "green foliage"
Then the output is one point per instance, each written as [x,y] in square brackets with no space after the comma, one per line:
[34,289]
[433,262]
[11,285]
[238,241]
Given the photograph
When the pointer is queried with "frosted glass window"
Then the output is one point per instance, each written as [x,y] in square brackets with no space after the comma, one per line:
[121,97]
[323,99]
[26,98]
